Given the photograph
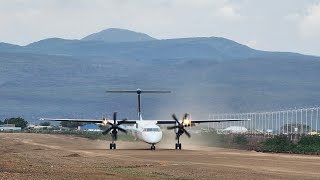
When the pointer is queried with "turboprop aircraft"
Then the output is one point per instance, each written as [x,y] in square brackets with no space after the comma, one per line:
[146,130]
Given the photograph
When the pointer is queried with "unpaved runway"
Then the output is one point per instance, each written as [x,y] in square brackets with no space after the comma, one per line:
[39,156]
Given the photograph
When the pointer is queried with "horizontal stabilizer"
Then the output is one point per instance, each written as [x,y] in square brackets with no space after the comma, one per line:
[138,91]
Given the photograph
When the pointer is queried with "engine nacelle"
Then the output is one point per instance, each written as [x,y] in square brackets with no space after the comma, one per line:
[187,121]
[189,125]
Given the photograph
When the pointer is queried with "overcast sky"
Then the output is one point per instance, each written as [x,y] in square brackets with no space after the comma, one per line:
[279,25]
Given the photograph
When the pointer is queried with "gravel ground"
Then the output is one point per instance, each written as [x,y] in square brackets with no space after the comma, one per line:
[41,156]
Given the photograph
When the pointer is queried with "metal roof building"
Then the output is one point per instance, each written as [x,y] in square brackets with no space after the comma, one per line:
[89,127]
[9,129]
[235,129]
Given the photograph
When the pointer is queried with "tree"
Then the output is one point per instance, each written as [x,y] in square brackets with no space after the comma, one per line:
[46,123]
[1,122]
[18,122]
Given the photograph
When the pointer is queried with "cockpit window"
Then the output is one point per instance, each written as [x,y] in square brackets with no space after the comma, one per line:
[151,130]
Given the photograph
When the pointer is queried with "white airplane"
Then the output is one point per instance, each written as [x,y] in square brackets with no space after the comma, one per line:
[145,130]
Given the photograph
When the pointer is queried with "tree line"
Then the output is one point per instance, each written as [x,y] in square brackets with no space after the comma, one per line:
[17,121]
[20,122]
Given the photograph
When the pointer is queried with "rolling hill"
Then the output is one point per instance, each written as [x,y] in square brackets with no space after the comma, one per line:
[68,78]
[114,35]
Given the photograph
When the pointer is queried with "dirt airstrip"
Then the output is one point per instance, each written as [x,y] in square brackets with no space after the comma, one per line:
[40,156]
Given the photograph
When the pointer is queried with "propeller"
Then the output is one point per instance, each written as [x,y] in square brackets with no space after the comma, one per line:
[115,126]
[180,126]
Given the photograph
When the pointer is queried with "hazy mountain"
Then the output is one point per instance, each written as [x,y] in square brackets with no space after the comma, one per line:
[8,47]
[68,78]
[118,35]
[204,48]
[198,48]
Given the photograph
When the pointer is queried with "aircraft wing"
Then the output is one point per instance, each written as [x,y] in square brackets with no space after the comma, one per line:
[88,120]
[201,121]
[134,121]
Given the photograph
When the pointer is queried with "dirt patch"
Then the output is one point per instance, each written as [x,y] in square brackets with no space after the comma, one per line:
[132,160]
[134,166]
[73,155]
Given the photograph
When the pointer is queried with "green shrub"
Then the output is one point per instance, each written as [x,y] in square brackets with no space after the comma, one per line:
[308,144]
[309,140]
[240,140]
[278,144]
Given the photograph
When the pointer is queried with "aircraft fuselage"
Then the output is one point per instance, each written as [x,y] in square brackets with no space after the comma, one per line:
[147,131]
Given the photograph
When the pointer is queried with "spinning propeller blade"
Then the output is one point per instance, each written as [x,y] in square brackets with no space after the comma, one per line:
[114,127]
[180,126]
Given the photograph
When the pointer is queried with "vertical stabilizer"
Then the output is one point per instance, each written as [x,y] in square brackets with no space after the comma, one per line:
[139,92]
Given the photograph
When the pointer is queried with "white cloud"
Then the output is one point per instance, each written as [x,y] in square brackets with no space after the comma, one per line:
[276,25]
[310,25]
[294,17]
[252,43]
[75,19]
[229,11]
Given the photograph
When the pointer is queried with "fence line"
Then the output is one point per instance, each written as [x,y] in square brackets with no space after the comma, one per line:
[292,121]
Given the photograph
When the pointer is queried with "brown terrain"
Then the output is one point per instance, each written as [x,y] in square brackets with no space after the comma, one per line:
[40,156]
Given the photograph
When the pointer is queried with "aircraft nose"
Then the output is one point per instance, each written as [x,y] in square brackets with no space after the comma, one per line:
[152,137]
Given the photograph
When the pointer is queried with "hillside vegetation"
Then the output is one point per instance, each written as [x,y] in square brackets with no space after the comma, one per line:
[68,78]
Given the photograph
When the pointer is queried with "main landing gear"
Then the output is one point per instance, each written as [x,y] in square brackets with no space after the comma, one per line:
[113,146]
[153,147]
[178,144]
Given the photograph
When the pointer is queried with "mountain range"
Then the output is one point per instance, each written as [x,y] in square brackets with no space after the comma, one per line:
[68,78]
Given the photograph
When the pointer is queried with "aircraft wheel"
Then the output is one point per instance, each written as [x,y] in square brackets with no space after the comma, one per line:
[153,147]
[178,146]
[113,146]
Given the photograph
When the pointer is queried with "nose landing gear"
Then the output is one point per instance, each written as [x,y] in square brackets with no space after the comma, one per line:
[153,147]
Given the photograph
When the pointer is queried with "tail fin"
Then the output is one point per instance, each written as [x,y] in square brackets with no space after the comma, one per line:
[138,91]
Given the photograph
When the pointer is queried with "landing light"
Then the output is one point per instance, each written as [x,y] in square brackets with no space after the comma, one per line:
[104,121]
[187,121]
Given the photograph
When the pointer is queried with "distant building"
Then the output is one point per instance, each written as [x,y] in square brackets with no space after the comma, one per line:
[235,130]
[39,127]
[9,128]
[269,131]
[7,125]
[89,127]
